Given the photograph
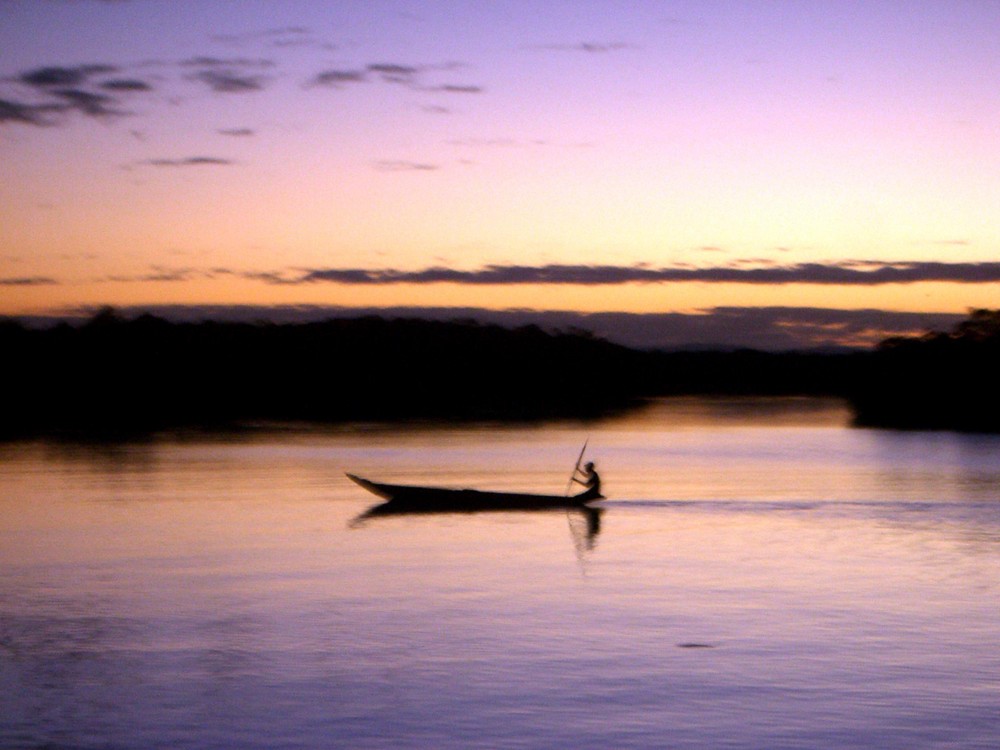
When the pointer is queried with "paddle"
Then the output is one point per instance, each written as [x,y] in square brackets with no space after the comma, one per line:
[576,468]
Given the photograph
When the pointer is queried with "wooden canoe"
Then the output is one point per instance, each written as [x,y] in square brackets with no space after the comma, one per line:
[412,497]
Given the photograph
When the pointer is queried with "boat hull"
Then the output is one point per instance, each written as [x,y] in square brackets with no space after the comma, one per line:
[434,498]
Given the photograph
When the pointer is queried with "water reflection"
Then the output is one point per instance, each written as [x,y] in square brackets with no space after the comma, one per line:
[942,466]
[584,521]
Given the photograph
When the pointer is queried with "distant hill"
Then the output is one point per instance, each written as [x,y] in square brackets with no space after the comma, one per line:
[770,328]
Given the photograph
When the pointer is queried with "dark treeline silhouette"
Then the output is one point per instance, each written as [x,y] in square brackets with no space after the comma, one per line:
[112,377]
[117,378]
[935,381]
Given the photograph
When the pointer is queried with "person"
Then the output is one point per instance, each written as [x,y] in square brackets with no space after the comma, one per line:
[592,481]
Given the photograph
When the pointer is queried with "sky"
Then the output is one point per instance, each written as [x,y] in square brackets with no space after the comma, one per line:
[831,168]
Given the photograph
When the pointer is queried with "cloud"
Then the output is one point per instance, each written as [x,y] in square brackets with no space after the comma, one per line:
[454,88]
[98,89]
[237,132]
[160,274]
[190,161]
[126,85]
[864,273]
[87,103]
[58,90]
[268,277]
[51,76]
[588,47]
[229,82]
[229,75]
[851,273]
[207,61]
[280,37]
[394,73]
[765,328]
[27,114]
[27,281]
[404,166]
[337,78]
[409,76]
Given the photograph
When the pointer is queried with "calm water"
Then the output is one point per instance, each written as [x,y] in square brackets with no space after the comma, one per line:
[763,576]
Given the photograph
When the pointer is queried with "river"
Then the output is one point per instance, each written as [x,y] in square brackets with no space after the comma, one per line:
[762,575]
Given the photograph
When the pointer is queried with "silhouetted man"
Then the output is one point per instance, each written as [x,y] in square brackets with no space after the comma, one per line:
[592,481]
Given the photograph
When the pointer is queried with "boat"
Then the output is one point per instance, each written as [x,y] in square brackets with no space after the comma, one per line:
[402,497]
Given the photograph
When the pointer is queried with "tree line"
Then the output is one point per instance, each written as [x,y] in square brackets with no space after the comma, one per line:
[941,380]
[112,377]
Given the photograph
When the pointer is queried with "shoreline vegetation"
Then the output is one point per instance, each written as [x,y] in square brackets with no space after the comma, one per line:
[938,381]
[112,378]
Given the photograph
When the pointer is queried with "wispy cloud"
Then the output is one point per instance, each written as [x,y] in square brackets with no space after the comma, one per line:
[588,47]
[28,281]
[158,274]
[121,85]
[279,37]
[848,273]
[27,114]
[190,161]
[852,273]
[398,74]
[89,103]
[57,76]
[237,132]
[454,88]
[229,75]
[767,328]
[47,94]
[51,94]
[394,72]
[229,82]
[338,78]
[404,166]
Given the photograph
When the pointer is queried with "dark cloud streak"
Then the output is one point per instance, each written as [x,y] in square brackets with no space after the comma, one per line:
[229,82]
[409,76]
[126,85]
[229,75]
[87,103]
[28,281]
[69,89]
[337,78]
[404,166]
[454,88]
[394,73]
[850,273]
[190,161]
[588,47]
[27,114]
[59,76]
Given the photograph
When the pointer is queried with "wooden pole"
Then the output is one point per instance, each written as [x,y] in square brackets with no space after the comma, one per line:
[576,468]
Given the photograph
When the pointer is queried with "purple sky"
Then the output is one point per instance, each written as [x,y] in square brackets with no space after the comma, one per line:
[661,157]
